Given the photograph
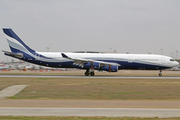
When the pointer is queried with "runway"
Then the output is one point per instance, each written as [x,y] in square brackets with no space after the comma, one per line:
[79,76]
[88,112]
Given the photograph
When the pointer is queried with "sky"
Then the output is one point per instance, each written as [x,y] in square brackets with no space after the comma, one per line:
[133,26]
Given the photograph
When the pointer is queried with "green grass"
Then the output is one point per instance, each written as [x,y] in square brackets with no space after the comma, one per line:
[80,118]
[95,88]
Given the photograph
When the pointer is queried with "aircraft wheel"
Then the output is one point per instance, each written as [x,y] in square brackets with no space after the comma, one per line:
[92,73]
[86,74]
[160,74]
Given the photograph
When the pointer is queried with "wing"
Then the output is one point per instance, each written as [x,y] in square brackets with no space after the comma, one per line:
[81,61]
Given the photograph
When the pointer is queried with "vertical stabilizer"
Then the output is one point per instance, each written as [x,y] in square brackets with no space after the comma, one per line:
[15,43]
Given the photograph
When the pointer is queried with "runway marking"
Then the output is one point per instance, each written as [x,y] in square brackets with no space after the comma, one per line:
[78,76]
[88,112]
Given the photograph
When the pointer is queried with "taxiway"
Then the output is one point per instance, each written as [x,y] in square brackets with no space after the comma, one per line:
[78,76]
[88,112]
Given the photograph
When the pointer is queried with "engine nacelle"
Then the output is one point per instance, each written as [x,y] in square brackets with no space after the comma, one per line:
[93,65]
[110,68]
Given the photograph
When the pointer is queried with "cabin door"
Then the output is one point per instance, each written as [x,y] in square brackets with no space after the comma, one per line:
[130,59]
[163,60]
[37,57]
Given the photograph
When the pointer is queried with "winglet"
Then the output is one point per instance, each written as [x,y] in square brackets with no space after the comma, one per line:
[64,56]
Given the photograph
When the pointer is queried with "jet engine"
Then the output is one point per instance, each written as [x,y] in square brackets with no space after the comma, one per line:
[110,68]
[92,65]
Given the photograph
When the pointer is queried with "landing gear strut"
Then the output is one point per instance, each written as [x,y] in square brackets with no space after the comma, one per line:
[160,74]
[89,72]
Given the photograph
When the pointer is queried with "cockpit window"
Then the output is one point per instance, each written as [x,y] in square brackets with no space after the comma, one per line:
[172,60]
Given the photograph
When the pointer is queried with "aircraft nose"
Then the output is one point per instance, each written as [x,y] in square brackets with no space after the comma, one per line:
[177,63]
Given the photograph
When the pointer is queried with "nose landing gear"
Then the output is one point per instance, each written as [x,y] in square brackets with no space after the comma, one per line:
[160,74]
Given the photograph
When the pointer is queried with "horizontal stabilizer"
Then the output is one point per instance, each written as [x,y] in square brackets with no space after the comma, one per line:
[17,55]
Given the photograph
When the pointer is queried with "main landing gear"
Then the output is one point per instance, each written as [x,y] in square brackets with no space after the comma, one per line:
[160,74]
[89,72]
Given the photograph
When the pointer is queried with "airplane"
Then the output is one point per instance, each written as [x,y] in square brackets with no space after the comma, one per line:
[88,61]
[4,67]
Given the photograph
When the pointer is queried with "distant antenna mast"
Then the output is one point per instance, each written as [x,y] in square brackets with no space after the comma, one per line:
[47,49]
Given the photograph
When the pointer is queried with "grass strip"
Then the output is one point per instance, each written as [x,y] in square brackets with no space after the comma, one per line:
[95,88]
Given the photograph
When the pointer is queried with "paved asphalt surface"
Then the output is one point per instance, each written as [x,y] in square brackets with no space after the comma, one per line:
[107,112]
[78,76]
[11,91]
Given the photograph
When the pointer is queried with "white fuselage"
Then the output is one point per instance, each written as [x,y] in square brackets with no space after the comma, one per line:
[125,60]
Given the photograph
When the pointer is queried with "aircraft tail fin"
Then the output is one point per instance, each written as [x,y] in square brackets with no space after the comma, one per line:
[3,64]
[15,43]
